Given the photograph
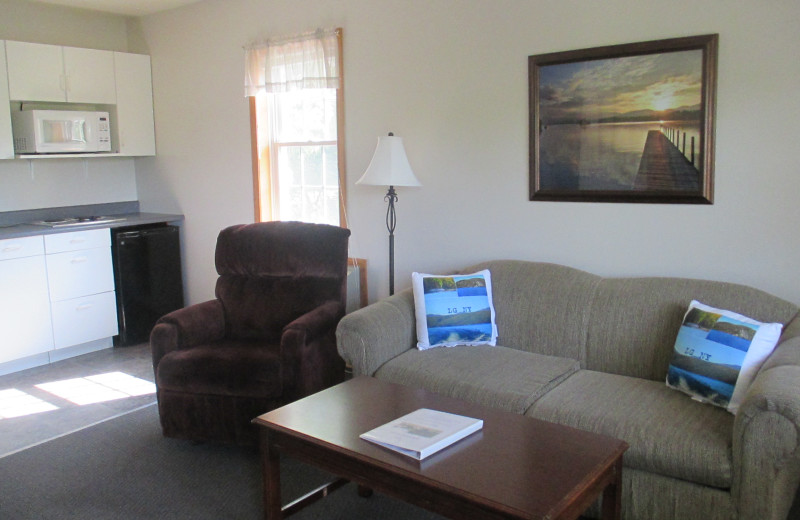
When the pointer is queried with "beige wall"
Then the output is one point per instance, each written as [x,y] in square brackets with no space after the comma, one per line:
[450,77]
[31,184]
[46,23]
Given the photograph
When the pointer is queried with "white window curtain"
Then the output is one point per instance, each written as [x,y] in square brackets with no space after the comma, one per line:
[309,60]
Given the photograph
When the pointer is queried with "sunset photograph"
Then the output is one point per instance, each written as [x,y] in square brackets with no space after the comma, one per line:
[630,124]
[649,88]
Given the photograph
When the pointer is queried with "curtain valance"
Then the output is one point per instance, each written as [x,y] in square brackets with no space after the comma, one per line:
[309,60]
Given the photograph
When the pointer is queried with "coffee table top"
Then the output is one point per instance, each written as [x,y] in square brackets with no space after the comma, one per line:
[524,466]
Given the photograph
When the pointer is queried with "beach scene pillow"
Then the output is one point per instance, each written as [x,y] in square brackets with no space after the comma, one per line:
[454,309]
[718,354]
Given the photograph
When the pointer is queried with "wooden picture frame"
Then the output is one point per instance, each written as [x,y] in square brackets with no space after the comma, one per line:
[624,123]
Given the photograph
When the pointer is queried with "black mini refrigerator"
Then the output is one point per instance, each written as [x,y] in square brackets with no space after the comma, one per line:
[147,276]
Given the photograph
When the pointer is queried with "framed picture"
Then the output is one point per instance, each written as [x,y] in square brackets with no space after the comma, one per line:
[624,123]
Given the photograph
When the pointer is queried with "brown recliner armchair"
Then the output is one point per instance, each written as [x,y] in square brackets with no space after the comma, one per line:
[267,339]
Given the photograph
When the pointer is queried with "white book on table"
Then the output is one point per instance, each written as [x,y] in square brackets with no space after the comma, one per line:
[423,432]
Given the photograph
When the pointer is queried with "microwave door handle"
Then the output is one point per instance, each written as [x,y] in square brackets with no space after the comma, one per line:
[85,131]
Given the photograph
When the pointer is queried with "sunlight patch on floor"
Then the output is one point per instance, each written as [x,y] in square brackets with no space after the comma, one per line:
[16,403]
[99,388]
[80,391]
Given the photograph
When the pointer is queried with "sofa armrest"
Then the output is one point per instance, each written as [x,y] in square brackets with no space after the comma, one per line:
[183,328]
[766,437]
[369,337]
[309,360]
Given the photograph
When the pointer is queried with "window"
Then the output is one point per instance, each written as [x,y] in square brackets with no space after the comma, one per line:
[297,122]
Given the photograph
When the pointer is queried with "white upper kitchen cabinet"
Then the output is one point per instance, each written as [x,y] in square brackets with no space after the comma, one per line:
[90,76]
[41,72]
[6,139]
[134,104]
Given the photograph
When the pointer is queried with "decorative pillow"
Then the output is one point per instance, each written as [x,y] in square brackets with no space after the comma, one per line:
[718,353]
[454,309]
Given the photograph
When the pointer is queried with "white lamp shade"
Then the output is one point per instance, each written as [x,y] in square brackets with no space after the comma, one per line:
[389,165]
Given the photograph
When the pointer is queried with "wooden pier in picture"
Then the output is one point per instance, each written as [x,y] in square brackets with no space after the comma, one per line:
[664,167]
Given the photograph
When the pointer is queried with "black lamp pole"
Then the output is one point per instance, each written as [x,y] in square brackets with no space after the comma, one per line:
[391,222]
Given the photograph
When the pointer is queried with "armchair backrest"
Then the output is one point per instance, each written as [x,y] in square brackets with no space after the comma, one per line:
[271,273]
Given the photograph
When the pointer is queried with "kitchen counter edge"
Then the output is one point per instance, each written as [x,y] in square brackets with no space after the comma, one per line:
[131,219]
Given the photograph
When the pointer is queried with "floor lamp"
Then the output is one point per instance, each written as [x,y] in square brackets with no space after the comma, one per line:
[389,167]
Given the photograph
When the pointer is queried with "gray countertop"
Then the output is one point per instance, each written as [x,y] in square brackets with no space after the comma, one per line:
[131,219]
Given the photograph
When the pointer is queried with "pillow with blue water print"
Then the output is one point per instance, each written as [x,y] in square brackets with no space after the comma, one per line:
[454,309]
[718,354]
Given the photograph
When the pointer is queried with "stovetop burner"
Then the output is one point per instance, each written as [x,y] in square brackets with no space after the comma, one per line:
[76,221]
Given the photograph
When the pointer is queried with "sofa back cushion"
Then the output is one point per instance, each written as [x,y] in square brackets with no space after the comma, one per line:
[541,308]
[633,322]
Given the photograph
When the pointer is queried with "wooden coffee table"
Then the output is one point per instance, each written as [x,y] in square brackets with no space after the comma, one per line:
[515,467]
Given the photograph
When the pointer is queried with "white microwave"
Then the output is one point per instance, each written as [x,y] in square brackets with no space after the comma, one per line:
[60,131]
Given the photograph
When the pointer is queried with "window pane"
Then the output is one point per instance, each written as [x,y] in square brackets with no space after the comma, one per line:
[312,205]
[290,166]
[306,115]
[294,209]
[312,165]
[331,162]
[332,206]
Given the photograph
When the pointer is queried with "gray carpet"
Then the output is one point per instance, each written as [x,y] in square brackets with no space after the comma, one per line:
[125,469]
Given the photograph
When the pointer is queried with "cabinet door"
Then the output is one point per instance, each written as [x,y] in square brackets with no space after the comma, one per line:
[35,72]
[24,308]
[134,104]
[80,273]
[90,76]
[6,139]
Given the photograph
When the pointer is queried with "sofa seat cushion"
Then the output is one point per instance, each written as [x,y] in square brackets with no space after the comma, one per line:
[669,433]
[225,368]
[491,376]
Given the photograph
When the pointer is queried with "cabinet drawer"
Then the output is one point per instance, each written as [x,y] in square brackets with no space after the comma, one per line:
[75,240]
[21,247]
[84,319]
[79,273]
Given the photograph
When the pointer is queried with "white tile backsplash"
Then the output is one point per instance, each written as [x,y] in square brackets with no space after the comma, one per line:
[44,183]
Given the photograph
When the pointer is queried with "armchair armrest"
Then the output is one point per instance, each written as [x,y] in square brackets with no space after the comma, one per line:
[369,337]
[316,321]
[766,436]
[183,328]
[309,360]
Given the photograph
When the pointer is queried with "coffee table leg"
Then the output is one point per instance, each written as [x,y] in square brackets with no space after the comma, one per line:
[612,495]
[271,468]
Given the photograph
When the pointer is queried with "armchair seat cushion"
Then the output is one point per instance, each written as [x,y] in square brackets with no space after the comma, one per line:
[668,433]
[225,368]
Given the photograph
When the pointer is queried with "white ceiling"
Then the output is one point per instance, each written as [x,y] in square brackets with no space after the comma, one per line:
[123,7]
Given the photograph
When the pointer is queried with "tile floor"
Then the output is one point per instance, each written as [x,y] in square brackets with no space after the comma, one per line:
[60,412]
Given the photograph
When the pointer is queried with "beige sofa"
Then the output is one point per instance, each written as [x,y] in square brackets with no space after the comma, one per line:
[593,353]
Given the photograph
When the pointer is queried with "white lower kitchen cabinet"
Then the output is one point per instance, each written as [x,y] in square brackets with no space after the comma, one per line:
[24,304]
[81,286]
[57,297]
